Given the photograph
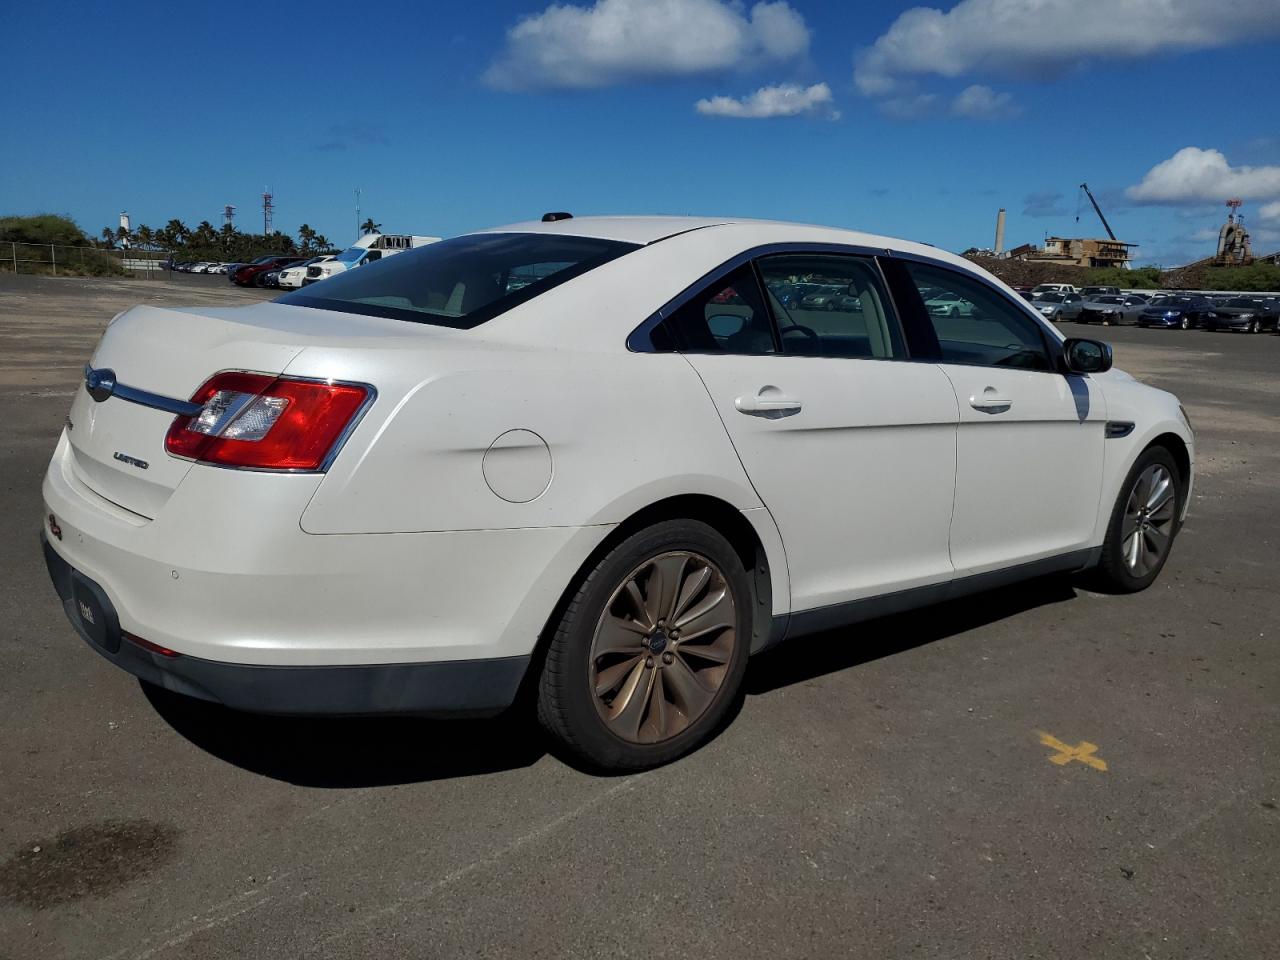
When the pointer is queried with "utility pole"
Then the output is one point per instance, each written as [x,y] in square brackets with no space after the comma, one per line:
[358,220]
[268,205]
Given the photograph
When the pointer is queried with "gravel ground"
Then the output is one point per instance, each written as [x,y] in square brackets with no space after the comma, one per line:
[885,791]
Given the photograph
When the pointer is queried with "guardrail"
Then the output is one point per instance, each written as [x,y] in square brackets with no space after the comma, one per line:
[61,260]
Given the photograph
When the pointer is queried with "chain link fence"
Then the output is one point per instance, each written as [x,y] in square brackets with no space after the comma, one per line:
[58,260]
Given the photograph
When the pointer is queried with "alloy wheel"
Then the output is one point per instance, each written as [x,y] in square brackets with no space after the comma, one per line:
[662,647]
[1147,528]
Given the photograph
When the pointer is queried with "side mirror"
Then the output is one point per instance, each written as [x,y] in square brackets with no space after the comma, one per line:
[1086,356]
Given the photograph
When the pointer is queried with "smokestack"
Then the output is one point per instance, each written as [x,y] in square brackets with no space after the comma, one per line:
[1000,232]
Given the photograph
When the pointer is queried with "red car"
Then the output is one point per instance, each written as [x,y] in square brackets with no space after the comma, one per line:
[244,275]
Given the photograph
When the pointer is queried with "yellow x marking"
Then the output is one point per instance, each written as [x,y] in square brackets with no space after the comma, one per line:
[1084,752]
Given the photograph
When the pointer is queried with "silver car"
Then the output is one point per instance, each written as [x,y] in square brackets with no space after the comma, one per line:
[1112,309]
[1058,306]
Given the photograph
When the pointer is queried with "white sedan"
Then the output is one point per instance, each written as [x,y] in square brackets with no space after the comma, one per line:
[597,455]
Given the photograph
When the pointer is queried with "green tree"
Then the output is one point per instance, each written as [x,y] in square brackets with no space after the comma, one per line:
[306,238]
[369,226]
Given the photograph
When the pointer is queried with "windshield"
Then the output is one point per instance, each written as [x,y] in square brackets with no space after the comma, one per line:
[464,281]
[351,255]
[1108,300]
[1052,298]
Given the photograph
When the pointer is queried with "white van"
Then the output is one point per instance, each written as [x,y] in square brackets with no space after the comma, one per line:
[291,277]
[370,247]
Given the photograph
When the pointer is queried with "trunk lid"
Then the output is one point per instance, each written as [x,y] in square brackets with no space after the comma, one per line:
[117,447]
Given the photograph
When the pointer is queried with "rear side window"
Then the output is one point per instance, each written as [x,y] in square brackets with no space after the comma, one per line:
[973,323]
[460,282]
[830,306]
[728,316]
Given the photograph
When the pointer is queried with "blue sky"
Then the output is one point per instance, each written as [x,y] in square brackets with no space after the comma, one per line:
[450,116]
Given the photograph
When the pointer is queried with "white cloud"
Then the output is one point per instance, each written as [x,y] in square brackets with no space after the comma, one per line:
[613,41]
[1035,37]
[909,106]
[1193,175]
[983,103]
[1270,211]
[783,100]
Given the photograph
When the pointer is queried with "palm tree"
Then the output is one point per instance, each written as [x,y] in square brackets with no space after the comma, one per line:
[177,231]
[307,236]
[370,227]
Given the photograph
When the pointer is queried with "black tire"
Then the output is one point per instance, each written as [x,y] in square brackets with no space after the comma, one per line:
[1113,574]
[1185,324]
[1255,327]
[566,701]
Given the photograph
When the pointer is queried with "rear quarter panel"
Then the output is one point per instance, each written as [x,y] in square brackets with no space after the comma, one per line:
[623,430]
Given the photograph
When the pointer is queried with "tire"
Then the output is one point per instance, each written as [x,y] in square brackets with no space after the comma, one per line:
[662,717]
[1255,327]
[1117,572]
[1185,324]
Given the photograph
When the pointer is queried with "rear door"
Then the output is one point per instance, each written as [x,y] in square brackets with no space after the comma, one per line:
[1029,455]
[850,445]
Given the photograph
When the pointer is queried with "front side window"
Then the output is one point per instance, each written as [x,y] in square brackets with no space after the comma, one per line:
[830,305]
[974,324]
[461,282]
[728,316]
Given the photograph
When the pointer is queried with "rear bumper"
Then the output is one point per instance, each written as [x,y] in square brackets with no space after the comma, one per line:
[446,688]
[225,573]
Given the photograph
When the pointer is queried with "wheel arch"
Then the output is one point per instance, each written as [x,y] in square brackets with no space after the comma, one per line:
[1181,454]
[751,533]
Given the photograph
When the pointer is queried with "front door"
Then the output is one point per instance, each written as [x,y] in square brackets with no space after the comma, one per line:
[1029,457]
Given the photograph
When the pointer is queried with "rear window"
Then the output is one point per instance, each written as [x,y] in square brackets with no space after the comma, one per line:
[460,282]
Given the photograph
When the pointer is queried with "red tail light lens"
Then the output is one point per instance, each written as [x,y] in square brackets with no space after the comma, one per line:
[266,423]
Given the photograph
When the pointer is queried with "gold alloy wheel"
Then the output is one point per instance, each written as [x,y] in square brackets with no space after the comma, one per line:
[662,647]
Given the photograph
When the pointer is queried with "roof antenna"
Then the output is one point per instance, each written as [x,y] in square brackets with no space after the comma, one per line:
[555,215]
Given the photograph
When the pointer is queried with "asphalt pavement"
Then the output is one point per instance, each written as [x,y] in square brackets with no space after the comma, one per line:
[1037,772]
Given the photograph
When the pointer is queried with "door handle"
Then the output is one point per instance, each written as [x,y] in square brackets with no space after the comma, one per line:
[990,401]
[768,402]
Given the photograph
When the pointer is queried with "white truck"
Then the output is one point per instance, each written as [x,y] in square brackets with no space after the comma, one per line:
[1063,288]
[370,247]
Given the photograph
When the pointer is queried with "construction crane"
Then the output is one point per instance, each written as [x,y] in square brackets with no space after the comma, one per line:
[1097,209]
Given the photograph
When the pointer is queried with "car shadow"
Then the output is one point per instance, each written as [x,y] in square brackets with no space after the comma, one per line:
[346,752]
[343,752]
[806,658]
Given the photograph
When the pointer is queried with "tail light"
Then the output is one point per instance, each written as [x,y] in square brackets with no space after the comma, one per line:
[267,423]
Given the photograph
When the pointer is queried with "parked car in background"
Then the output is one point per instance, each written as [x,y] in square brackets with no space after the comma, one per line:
[291,278]
[398,491]
[945,303]
[1088,292]
[1058,307]
[247,275]
[822,299]
[1174,310]
[1244,314]
[1111,309]
[369,248]
[1040,289]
